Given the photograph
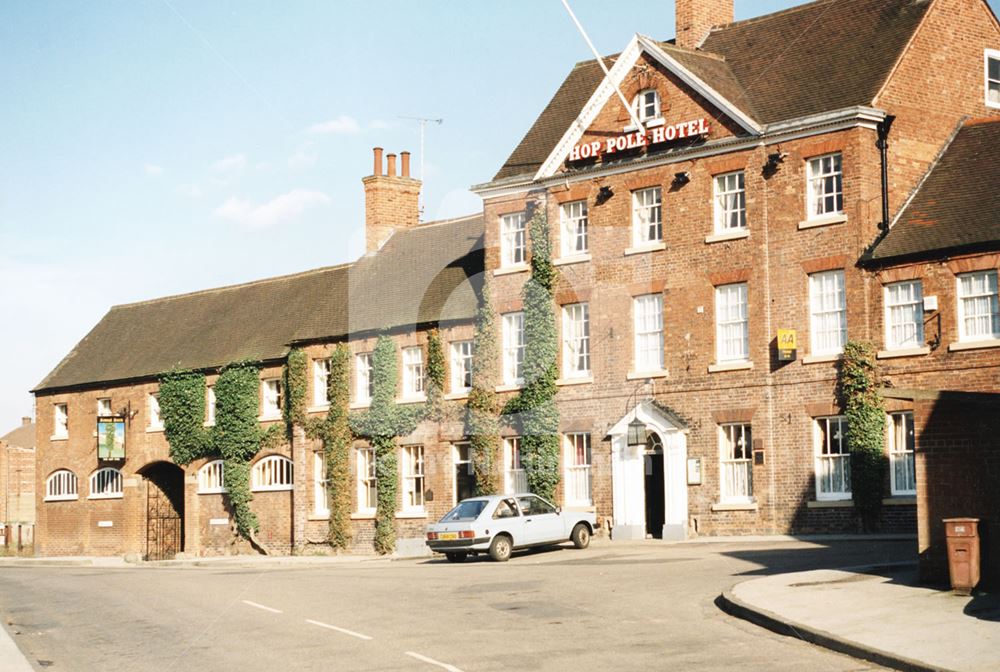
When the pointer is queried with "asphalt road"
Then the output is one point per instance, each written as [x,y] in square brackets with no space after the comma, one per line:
[643,606]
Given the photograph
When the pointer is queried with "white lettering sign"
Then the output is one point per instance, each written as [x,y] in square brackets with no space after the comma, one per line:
[656,136]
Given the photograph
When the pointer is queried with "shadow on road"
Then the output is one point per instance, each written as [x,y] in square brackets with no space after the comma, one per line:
[821,555]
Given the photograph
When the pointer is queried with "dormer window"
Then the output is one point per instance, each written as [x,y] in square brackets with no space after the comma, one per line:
[993,78]
[647,105]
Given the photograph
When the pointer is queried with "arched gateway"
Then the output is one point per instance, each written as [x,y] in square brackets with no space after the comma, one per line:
[164,483]
[649,481]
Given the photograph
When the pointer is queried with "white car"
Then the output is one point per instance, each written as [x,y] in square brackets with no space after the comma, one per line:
[499,524]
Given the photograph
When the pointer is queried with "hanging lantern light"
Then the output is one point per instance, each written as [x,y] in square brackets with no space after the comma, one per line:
[636,433]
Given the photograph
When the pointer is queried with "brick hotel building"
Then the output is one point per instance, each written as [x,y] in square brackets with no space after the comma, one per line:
[827,170]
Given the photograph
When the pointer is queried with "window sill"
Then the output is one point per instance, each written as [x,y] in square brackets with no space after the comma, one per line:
[510,270]
[831,504]
[974,345]
[411,400]
[903,352]
[735,506]
[645,248]
[318,517]
[643,375]
[730,366]
[564,382]
[822,359]
[509,388]
[61,499]
[410,515]
[728,235]
[363,515]
[900,500]
[60,437]
[318,409]
[360,405]
[269,418]
[574,259]
[118,496]
[454,396]
[273,488]
[827,220]
[213,492]
[154,430]
[208,424]
[648,123]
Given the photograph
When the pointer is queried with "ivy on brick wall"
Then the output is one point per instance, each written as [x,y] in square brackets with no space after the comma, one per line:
[382,424]
[435,376]
[483,410]
[294,378]
[535,406]
[182,407]
[859,383]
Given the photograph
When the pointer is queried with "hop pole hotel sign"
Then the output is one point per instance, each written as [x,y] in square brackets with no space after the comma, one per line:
[654,136]
[110,438]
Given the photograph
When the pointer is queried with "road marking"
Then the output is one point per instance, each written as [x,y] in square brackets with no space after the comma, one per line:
[431,661]
[343,630]
[261,606]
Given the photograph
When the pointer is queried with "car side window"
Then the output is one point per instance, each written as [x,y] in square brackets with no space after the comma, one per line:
[505,509]
[535,506]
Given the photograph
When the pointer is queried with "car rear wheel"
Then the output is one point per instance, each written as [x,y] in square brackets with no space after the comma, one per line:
[500,548]
[580,536]
[456,556]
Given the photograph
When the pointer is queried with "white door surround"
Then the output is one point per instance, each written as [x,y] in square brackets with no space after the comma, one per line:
[628,475]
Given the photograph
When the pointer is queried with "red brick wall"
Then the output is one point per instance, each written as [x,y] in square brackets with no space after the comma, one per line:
[17,484]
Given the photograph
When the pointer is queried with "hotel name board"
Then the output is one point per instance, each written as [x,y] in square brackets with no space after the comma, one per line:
[654,136]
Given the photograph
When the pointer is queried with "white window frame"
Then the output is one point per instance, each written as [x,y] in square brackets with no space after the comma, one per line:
[904,315]
[153,406]
[825,181]
[272,473]
[736,463]
[62,485]
[824,455]
[461,366]
[367,480]
[513,348]
[321,508]
[991,55]
[321,381]
[827,303]
[414,478]
[730,198]
[513,240]
[579,490]
[106,483]
[413,373]
[270,398]
[647,217]
[901,444]
[574,240]
[515,479]
[576,340]
[364,381]
[212,478]
[104,407]
[60,421]
[732,323]
[210,406]
[646,105]
[647,321]
[986,298]
[457,461]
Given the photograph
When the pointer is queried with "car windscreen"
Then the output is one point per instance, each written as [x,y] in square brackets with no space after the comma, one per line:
[467,510]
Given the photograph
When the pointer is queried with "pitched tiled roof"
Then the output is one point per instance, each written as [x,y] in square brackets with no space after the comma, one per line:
[822,56]
[420,276]
[958,205]
[22,437]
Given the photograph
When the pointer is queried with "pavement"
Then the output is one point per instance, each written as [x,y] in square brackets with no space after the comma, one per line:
[879,614]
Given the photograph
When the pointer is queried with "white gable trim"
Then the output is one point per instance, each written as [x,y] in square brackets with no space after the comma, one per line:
[651,416]
[626,60]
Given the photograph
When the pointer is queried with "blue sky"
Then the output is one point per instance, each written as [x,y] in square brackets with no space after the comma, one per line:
[152,147]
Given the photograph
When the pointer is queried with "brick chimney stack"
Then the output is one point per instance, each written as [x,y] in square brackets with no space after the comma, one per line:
[392,202]
[695,18]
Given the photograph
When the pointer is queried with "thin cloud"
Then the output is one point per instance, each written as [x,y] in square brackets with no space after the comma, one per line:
[279,210]
[234,163]
[153,170]
[342,125]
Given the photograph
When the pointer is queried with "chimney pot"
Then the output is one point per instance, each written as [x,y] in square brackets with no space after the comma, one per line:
[392,164]
[405,169]
[25,421]
[378,161]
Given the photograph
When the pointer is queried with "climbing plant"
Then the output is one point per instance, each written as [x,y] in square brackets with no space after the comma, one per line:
[294,378]
[435,376]
[182,407]
[482,410]
[859,382]
[337,438]
[382,424]
[535,405]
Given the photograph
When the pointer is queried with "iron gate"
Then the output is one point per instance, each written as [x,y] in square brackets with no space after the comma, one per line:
[163,525]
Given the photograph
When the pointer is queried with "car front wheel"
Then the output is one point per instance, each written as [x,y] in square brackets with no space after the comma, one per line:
[500,548]
[580,536]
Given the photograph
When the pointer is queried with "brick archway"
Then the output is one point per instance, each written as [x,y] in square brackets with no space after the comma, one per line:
[164,510]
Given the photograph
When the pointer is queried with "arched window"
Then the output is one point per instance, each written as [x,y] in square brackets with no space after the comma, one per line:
[106,484]
[274,472]
[211,478]
[61,486]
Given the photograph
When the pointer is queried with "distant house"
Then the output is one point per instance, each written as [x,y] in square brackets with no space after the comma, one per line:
[17,482]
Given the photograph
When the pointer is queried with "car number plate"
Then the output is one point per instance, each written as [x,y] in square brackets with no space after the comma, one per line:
[448,536]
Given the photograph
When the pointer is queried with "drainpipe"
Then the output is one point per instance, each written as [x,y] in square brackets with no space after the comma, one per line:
[883,145]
